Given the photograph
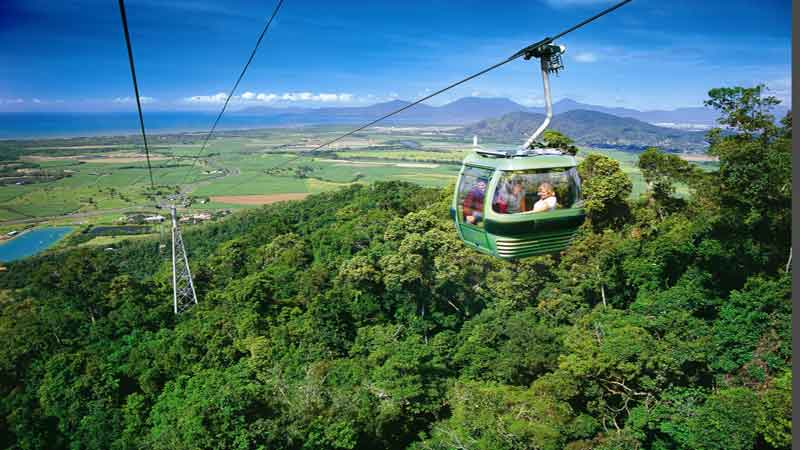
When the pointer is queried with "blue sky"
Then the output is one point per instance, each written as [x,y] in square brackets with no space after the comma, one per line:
[650,54]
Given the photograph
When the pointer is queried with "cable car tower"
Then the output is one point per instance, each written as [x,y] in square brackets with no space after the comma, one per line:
[183,293]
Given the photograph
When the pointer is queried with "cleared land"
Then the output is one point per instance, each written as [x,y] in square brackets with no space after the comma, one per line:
[699,158]
[257,199]
[106,177]
[111,158]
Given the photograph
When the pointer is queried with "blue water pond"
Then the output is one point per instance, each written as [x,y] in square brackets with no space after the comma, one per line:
[31,242]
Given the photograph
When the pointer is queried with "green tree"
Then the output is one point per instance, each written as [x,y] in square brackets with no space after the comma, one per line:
[753,184]
[775,423]
[80,280]
[605,189]
[746,110]
[356,319]
[754,330]
[491,416]
[725,421]
[661,171]
[555,139]
[217,408]
[507,347]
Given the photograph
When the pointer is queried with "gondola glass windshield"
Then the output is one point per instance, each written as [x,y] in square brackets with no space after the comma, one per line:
[471,195]
[537,191]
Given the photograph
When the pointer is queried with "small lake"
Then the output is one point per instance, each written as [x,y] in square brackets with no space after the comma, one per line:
[31,242]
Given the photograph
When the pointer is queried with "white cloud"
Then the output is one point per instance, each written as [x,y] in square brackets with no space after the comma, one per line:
[296,96]
[585,57]
[143,99]
[268,98]
[329,97]
[216,98]
[263,97]
[36,100]
[11,101]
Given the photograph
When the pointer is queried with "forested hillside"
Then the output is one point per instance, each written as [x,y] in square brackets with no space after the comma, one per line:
[356,319]
[588,128]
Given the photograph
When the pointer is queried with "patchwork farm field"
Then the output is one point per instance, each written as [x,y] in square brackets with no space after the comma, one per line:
[97,180]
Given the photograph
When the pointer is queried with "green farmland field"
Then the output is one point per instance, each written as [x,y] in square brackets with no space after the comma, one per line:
[100,182]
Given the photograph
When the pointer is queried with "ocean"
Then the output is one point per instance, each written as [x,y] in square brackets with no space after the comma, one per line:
[53,125]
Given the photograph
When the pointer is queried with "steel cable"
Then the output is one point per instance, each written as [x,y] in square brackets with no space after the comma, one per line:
[233,90]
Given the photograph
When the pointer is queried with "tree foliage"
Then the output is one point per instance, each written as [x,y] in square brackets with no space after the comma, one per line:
[606,191]
[356,319]
[555,139]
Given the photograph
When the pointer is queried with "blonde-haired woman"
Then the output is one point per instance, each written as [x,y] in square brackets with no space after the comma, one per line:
[547,198]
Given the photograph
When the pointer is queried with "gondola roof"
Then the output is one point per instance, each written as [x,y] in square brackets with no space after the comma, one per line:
[528,162]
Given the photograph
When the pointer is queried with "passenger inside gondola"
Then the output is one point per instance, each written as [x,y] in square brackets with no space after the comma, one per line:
[473,202]
[547,198]
[535,191]
[510,197]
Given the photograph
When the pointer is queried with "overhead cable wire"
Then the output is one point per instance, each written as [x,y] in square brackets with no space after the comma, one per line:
[527,52]
[233,90]
[136,88]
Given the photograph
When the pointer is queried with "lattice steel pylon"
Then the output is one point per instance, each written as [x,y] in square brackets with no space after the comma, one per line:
[183,294]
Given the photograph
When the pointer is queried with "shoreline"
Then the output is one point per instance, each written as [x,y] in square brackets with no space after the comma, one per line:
[38,248]
[5,238]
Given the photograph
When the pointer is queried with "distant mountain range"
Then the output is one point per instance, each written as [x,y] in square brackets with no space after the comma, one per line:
[473,109]
[612,126]
[589,128]
[503,120]
[460,112]
[700,117]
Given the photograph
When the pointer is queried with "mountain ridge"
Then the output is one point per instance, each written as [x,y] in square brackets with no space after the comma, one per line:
[473,109]
[589,128]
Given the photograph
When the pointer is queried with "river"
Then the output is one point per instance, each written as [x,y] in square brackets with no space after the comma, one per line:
[31,242]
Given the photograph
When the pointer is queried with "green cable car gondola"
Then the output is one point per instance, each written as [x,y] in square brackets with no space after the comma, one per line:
[520,203]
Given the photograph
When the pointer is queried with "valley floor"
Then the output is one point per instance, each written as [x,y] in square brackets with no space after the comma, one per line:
[87,182]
